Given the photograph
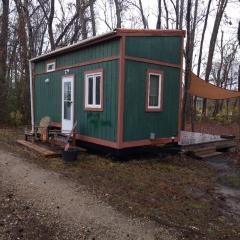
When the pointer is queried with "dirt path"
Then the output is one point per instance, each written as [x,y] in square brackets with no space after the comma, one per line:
[77,213]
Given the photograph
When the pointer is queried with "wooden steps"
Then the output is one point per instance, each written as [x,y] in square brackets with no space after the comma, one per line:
[207,155]
[218,145]
[203,152]
[43,151]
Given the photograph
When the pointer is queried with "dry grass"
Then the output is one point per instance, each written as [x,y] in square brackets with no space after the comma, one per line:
[175,191]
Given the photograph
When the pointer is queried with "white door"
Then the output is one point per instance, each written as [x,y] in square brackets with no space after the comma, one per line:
[67,103]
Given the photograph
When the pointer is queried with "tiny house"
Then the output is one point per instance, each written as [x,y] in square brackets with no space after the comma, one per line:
[123,88]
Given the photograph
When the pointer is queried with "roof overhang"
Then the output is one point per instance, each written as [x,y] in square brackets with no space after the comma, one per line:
[107,36]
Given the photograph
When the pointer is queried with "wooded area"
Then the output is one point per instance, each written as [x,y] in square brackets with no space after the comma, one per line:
[31,28]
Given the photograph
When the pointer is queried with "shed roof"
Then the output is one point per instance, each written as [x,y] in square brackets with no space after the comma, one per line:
[118,32]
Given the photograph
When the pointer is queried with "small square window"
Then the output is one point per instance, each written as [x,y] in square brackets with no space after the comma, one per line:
[94,90]
[154,91]
[51,66]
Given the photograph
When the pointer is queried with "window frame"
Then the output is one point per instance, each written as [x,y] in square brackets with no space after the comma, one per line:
[93,107]
[158,108]
[51,62]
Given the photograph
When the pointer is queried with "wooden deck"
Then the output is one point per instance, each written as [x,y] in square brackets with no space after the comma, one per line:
[42,150]
[201,142]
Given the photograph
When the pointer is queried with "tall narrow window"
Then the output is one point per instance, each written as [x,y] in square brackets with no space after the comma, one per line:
[154,91]
[94,90]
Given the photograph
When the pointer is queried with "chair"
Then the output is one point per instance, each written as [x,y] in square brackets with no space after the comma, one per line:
[39,132]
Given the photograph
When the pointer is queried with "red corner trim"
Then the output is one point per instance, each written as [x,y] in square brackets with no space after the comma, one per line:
[121,91]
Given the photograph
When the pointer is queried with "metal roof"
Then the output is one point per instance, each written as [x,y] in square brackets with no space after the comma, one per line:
[73,46]
[116,32]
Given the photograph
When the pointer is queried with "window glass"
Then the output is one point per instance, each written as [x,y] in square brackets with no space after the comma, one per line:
[67,100]
[98,89]
[154,90]
[93,90]
[67,91]
[67,110]
[51,66]
[90,90]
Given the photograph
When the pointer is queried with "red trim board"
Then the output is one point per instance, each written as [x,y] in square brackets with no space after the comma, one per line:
[121,91]
[128,144]
[106,59]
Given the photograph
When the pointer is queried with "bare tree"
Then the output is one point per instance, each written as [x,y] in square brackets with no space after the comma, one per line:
[24,55]
[3,58]
[166,13]
[203,36]
[186,98]
[181,14]
[93,20]
[48,8]
[159,22]
[220,10]
[239,65]
[118,6]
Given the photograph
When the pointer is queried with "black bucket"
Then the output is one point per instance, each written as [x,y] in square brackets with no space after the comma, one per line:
[70,154]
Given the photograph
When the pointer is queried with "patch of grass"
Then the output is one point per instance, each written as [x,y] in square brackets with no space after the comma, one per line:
[153,188]
[198,205]
[230,181]
[211,232]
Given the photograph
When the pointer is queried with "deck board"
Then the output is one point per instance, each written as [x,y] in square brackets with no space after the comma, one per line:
[191,138]
[39,149]
[193,141]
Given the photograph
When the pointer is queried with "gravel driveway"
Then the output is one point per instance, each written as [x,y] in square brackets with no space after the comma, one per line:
[63,208]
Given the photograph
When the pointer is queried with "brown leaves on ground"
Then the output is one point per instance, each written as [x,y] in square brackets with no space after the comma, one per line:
[175,191]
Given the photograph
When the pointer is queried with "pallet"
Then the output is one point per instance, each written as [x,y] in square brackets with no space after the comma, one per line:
[43,151]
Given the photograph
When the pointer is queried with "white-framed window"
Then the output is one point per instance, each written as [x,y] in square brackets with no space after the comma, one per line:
[94,90]
[50,66]
[154,90]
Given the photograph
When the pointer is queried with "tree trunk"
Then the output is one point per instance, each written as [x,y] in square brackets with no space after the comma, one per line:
[3,60]
[118,13]
[23,39]
[186,98]
[50,23]
[181,15]
[159,24]
[203,36]
[167,15]
[218,80]
[93,20]
[221,8]
[177,14]
[144,20]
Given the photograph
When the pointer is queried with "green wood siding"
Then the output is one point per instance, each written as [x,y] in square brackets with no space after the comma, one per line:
[138,124]
[100,50]
[93,124]
[166,49]
[46,97]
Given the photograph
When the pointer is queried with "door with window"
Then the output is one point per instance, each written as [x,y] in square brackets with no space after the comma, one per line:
[67,103]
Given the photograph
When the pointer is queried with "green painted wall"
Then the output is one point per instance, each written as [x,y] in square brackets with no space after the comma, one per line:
[166,49]
[46,96]
[101,50]
[138,124]
[93,124]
